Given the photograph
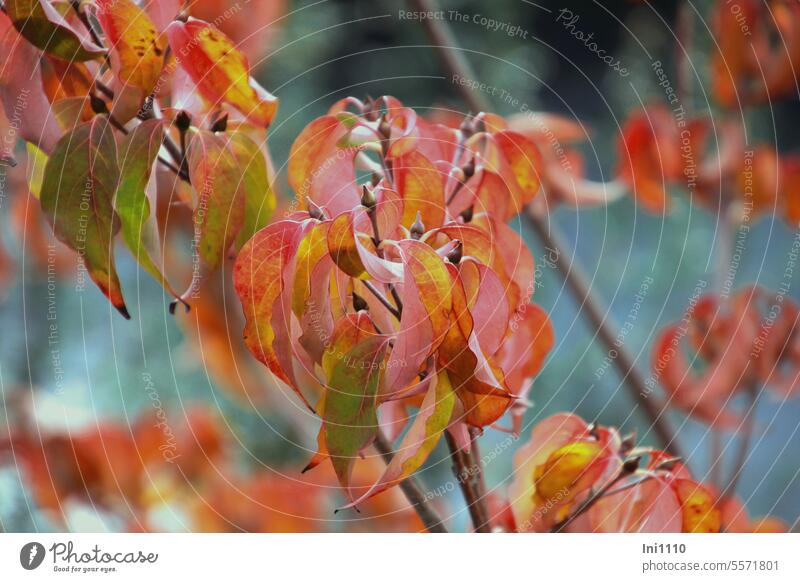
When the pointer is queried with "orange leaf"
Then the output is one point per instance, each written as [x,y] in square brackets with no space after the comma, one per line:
[138,49]
[220,71]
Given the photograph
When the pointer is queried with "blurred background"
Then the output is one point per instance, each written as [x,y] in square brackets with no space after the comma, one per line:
[70,365]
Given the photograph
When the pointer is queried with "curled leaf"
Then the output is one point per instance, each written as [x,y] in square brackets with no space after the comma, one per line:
[220,71]
[80,181]
[137,155]
[44,27]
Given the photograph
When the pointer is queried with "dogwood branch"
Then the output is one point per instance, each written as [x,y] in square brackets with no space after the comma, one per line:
[452,59]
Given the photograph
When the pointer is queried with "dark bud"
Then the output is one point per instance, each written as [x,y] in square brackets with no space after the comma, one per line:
[631,465]
[467,127]
[183,121]
[469,169]
[479,125]
[456,254]
[368,200]
[628,442]
[220,123]
[418,228]
[384,129]
[98,105]
[8,160]
[467,213]
[314,210]
[182,17]
[358,302]
[375,179]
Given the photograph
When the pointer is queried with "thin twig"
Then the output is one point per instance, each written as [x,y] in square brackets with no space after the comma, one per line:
[480,481]
[84,18]
[464,472]
[590,307]
[744,445]
[412,490]
[625,471]
[452,59]
[382,298]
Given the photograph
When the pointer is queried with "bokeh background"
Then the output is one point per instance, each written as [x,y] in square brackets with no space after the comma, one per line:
[106,368]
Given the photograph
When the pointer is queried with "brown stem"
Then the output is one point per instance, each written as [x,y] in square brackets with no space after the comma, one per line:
[683,49]
[590,306]
[465,472]
[412,490]
[451,57]
[82,16]
[382,298]
[480,481]
[626,471]
[744,445]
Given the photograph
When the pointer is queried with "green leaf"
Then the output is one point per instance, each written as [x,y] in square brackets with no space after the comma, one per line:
[44,27]
[349,417]
[80,180]
[137,154]
[37,160]
[219,207]
[259,198]
[430,422]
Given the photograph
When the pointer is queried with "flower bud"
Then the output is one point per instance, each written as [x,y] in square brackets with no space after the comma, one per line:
[359,304]
[183,121]
[469,169]
[220,124]
[368,199]
[314,210]
[456,254]
[418,228]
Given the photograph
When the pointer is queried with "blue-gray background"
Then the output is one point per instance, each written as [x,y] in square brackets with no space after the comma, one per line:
[336,48]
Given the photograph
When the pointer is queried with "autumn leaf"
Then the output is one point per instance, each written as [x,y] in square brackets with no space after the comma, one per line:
[44,27]
[137,48]
[259,197]
[350,419]
[77,196]
[21,74]
[137,154]
[433,417]
[425,318]
[319,169]
[700,515]
[484,397]
[311,298]
[421,187]
[220,71]
[258,277]
[343,248]
[219,208]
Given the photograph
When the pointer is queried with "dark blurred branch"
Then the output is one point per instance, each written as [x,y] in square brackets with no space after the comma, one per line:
[744,444]
[467,475]
[590,307]
[412,490]
[449,54]
[451,57]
